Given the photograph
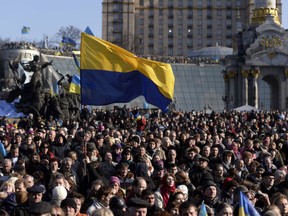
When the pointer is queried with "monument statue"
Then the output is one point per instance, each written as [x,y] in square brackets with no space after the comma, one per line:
[34,98]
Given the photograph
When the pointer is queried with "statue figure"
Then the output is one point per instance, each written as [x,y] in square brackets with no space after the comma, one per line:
[38,100]
[32,93]
[36,67]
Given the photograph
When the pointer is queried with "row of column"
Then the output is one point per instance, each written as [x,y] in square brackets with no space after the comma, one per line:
[231,75]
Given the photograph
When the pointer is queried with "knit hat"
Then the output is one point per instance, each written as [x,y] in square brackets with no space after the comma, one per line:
[207,184]
[117,145]
[159,164]
[59,193]
[114,179]
[183,188]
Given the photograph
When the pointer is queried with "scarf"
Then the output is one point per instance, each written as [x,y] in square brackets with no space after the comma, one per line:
[166,190]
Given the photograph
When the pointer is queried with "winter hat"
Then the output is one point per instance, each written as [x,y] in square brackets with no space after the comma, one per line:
[114,179]
[184,189]
[59,193]
[207,184]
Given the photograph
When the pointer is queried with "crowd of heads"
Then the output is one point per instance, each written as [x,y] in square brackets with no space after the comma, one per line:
[18,45]
[144,162]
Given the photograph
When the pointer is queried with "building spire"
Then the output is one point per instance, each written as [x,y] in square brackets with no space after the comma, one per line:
[264,9]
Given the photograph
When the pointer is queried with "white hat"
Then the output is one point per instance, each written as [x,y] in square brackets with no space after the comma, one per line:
[184,189]
[59,193]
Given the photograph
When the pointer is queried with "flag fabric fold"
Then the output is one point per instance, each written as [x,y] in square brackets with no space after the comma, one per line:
[88,31]
[76,61]
[75,85]
[25,30]
[110,74]
[245,207]
[203,211]
[68,41]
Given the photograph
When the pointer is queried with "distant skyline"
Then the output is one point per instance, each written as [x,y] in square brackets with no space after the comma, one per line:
[46,19]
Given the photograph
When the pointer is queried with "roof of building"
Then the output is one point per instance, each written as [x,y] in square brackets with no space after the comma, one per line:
[215,52]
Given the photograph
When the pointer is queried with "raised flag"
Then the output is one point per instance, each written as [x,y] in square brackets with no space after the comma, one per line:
[110,74]
[75,85]
[68,41]
[203,210]
[88,31]
[76,61]
[245,207]
[25,30]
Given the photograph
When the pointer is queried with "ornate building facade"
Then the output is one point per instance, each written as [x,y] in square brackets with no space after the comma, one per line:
[257,74]
[175,28]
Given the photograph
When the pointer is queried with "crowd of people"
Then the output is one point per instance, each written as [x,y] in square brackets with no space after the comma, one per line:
[67,51]
[144,162]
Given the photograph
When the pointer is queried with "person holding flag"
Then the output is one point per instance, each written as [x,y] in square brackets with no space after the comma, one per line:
[203,210]
[245,206]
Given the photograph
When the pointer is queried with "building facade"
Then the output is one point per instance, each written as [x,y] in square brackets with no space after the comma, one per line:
[257,75]
[175,28]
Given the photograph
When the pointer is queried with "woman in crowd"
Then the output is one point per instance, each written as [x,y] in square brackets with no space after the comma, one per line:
[166,189]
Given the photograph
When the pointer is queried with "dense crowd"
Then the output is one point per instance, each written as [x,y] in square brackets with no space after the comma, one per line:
[144,162]
[67,51]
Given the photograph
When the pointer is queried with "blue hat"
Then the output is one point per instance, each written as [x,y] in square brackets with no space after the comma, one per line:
[36,189]
[117,145]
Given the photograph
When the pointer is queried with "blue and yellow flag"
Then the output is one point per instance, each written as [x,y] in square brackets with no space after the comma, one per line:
[110,74]
[75,85]
[25,30]
[203,211]
[245,207]
[67,41]
[76,61]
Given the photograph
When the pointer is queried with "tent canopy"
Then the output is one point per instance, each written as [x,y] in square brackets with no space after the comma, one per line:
[246,108]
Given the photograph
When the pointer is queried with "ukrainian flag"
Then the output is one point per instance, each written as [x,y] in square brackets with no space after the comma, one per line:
[245,207]
[203,210]
[68,42]
[76,61]
[110,74]
[75,85]
[88,31]
[25,30]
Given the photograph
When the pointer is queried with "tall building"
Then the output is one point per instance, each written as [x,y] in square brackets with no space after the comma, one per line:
[175,28]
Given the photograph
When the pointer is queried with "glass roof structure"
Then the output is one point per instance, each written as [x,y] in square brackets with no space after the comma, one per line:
[197,87]
[216,52]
